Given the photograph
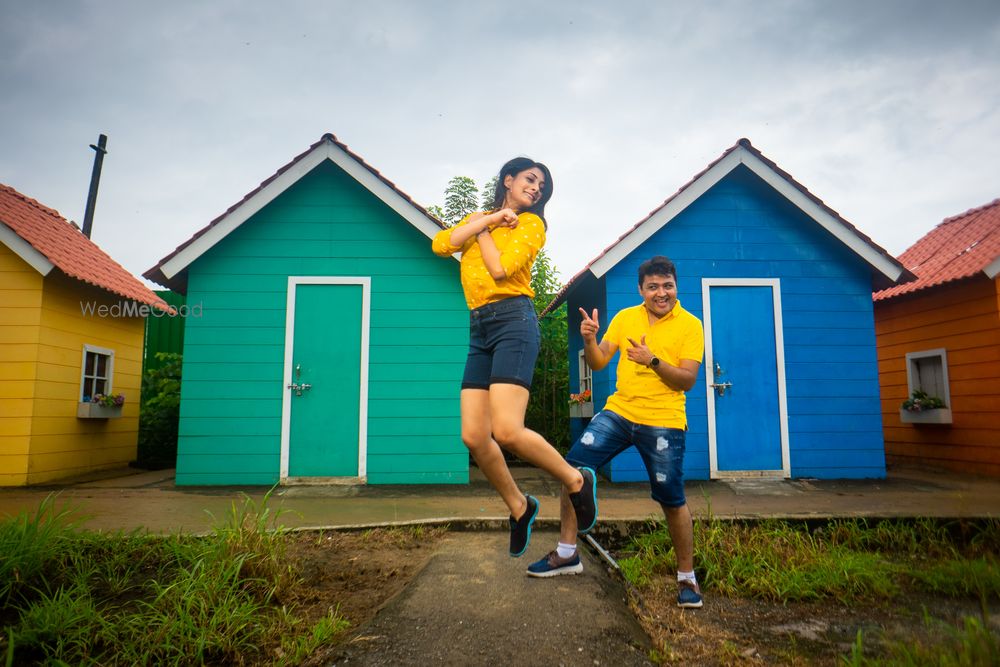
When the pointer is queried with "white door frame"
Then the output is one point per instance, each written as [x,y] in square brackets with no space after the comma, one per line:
[779,345]
[286,402]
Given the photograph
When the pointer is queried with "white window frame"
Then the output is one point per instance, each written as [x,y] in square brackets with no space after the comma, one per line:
[109,379]
[938,416]
[586,374]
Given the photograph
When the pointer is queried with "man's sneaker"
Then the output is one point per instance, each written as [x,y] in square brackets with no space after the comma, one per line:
[688,595]
[552,565]
[520,529]
[585,501]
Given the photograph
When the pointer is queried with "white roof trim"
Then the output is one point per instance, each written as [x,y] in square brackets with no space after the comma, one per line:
[884,265]
[741,155]
[993,268]
[25,250]
[327,150]
[665,215]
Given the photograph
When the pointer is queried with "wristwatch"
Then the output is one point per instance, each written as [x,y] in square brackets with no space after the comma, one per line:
[654,362]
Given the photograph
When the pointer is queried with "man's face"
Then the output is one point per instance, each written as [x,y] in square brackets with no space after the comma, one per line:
[659,294]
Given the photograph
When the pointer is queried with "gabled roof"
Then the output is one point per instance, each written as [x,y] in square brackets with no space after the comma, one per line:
[172,269]
[885,269]
[45,240]
[960,247]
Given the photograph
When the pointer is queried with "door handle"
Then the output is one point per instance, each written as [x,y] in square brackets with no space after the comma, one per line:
[299,388]
[721,387]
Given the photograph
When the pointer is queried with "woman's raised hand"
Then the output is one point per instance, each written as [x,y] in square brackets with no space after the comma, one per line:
[506,217]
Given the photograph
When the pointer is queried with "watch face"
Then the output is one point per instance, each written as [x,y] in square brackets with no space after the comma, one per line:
[655,362]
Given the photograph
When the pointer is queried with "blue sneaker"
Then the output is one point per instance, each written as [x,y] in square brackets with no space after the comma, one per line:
[688,595]
[585,501]
[520,529]
[552,565]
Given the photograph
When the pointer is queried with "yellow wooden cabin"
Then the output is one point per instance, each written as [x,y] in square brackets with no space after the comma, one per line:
[71,327]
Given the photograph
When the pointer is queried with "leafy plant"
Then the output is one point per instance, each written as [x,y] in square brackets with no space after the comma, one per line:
[108,401]
[159,412]
[919,400]
[459,199]
[548,411]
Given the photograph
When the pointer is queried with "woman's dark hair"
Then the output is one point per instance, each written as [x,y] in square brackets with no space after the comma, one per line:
[515,167]
[657,266]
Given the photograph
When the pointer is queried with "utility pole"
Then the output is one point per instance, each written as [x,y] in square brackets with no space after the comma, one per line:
[95,180]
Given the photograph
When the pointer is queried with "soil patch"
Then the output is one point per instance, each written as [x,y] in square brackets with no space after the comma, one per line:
[354,573]
[730,631]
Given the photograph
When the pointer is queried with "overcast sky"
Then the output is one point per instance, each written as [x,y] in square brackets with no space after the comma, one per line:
[888,111]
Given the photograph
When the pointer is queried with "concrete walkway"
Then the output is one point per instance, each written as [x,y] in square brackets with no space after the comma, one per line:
[132,499]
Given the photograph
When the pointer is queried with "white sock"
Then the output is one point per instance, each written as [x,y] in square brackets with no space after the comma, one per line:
[565,550]
[686,576]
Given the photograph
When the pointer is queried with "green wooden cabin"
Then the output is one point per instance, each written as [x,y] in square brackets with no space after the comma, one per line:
[324,341]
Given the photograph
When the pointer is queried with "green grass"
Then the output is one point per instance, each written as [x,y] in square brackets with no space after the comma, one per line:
[81,598]
[970,645]
[851,561]
[848,560]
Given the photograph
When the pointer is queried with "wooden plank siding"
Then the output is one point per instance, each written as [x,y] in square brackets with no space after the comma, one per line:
[61,444]
[20,310]
[742,228]
[326,224]
[964,319]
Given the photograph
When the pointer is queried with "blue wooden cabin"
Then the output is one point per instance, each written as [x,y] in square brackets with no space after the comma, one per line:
[325,341]
[783,285]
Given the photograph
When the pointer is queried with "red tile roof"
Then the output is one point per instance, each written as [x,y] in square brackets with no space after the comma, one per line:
[959,247]
[179,283]
[68,249]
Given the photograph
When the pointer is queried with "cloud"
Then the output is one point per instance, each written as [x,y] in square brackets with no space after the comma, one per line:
[888,112]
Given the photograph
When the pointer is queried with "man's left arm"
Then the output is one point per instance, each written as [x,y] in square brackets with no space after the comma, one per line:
[679,378]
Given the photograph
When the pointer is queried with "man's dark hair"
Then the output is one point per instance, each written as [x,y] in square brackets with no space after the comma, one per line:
[657,266]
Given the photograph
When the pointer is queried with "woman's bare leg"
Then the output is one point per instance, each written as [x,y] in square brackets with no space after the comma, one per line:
[477,436]
[507,406]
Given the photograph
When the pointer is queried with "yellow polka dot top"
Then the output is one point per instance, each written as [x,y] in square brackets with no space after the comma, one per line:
[518,249]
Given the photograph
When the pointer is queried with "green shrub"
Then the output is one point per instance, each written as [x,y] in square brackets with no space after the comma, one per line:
[159,413]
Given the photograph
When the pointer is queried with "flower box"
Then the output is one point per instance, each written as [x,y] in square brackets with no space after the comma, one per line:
[929,416]
[88,410]
[582,410]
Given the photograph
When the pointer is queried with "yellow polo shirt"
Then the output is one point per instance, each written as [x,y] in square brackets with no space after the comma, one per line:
[640,395]
[518,249]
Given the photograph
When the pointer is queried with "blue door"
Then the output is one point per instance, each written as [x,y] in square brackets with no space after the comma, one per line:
[745,380]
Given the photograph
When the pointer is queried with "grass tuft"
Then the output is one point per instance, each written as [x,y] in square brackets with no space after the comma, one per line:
[82,598]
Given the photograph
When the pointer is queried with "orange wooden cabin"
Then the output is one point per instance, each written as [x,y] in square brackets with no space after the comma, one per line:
[940,335]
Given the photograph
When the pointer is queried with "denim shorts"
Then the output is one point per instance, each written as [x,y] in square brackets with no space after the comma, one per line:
[662,451]
[504,338]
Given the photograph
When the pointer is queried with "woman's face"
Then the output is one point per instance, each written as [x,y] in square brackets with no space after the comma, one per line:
[524,189]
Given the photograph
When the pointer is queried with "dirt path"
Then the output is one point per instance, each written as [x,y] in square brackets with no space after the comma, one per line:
[472,604]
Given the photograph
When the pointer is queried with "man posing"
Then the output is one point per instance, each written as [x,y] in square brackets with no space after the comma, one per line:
[662,348]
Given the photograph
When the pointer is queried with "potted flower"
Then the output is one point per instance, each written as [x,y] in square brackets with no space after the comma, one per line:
[921,408]
[581,405]
[101,406]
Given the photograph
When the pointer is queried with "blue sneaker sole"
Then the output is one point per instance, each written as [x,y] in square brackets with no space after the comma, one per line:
[531,522]
[580,530]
